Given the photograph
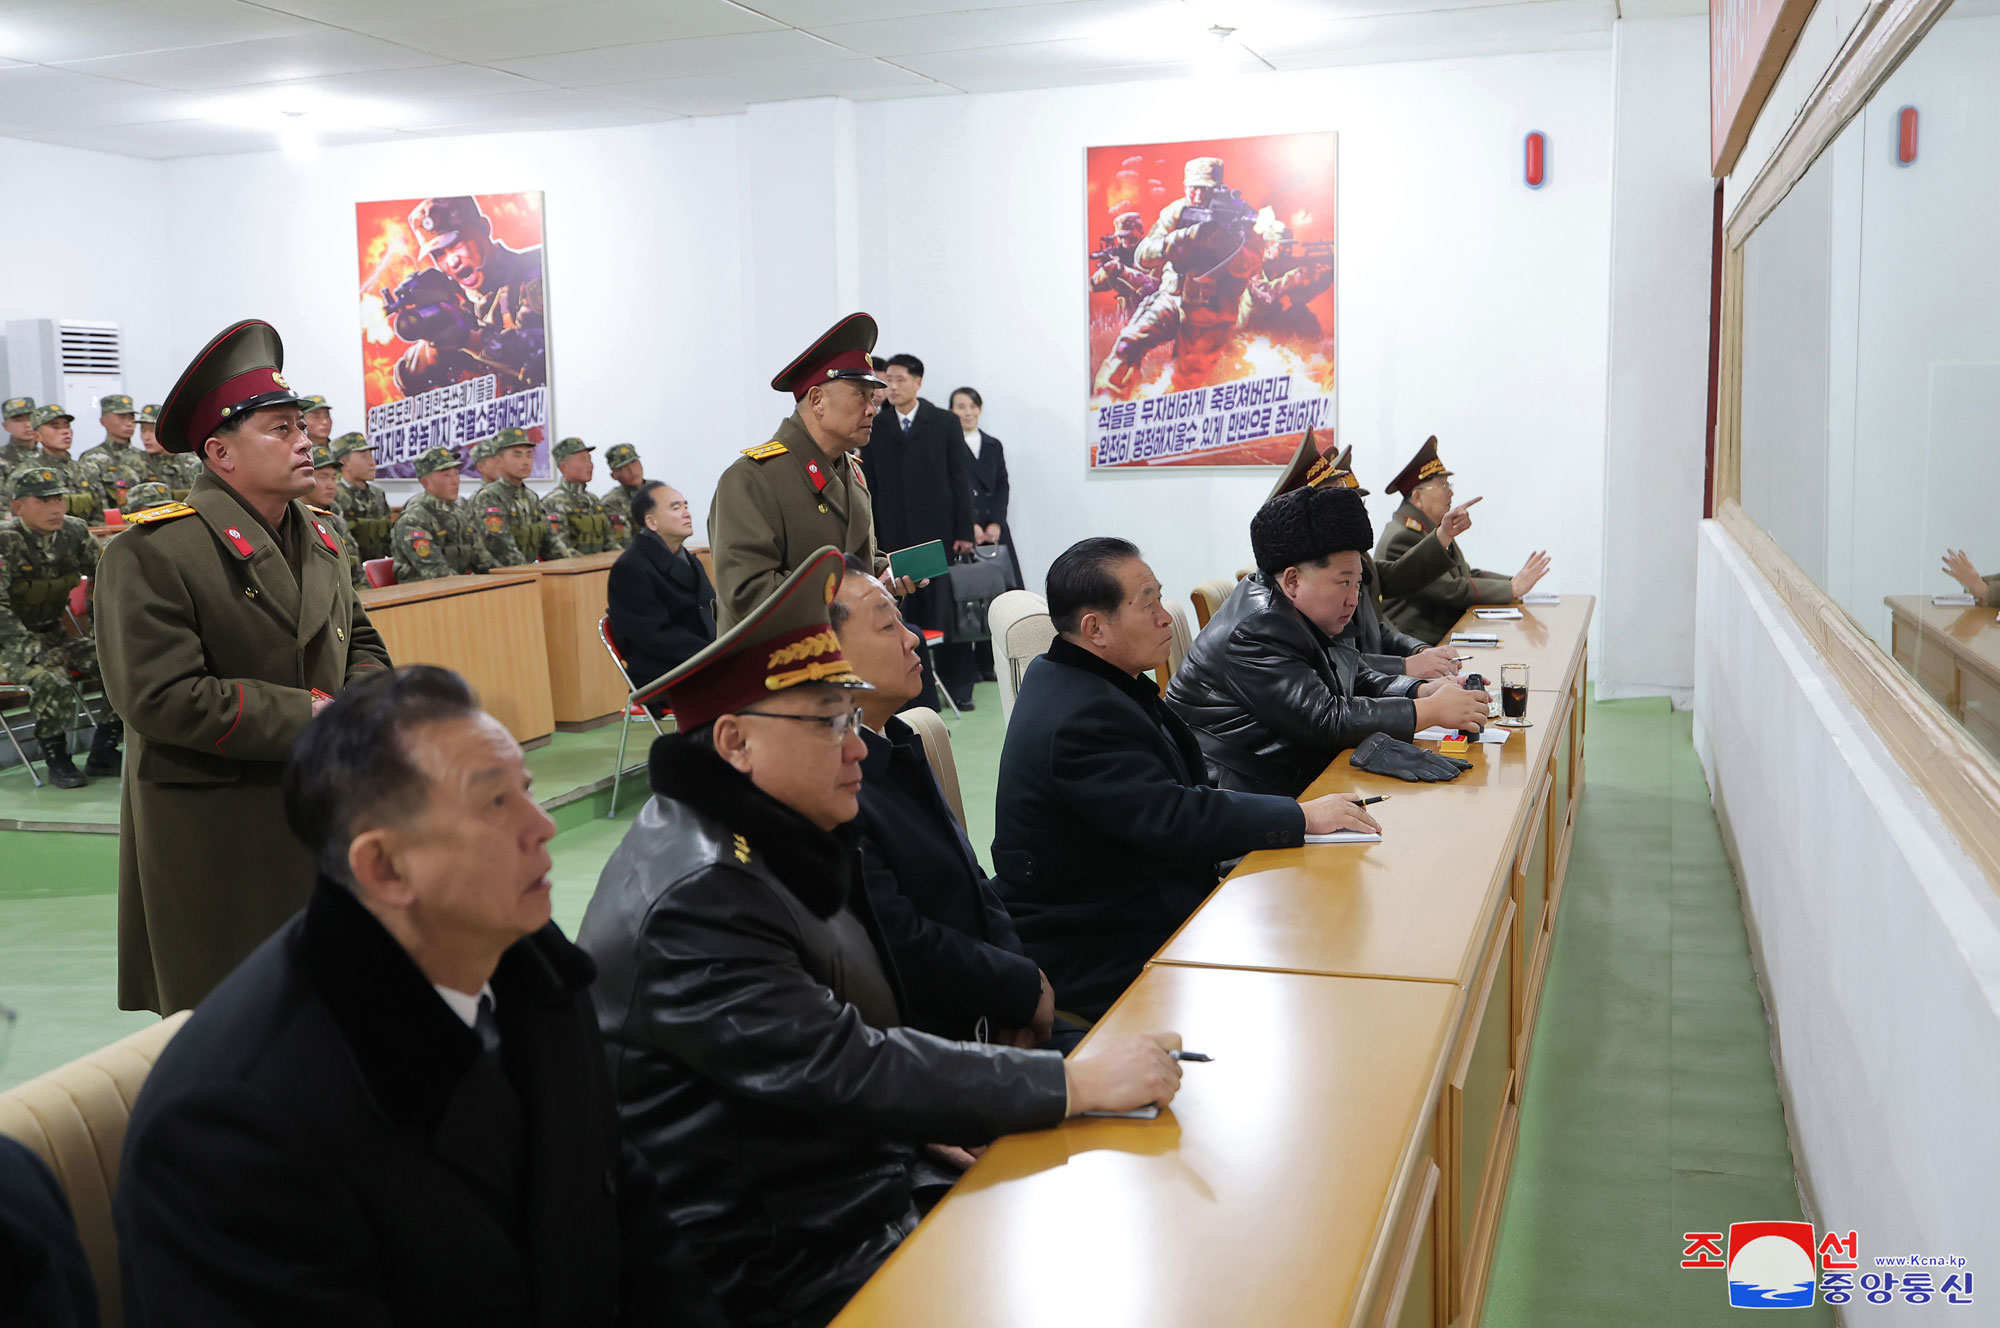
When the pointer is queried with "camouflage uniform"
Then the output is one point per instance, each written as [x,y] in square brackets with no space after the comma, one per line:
[364,508]
[79,491]
[150,493]
[111,466]
[576,509]
[617,500]
[14,455]
[334,522]
[510,510]
[37,573]
[434,538]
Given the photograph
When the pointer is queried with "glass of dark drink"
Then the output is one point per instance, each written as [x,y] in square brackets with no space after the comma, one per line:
[1514,696]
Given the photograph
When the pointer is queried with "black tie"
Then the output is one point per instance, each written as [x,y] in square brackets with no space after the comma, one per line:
[487,1026]
[906,426]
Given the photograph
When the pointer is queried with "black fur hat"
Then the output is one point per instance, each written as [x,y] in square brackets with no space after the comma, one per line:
[1309,526]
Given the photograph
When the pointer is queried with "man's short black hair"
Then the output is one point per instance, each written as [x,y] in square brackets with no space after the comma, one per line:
[1308,526]
[352,761]
[837,612]
[909,362]
[643,502]
[1084,579]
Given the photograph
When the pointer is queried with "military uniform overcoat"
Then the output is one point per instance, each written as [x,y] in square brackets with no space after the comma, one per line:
[1429,610]
[777,505]
[211,651]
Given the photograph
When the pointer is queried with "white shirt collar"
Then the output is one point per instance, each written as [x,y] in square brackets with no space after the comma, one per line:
[907,414]
[464,1006]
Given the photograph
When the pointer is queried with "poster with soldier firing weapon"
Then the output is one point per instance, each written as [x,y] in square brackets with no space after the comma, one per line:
[1211,269]
[454,324]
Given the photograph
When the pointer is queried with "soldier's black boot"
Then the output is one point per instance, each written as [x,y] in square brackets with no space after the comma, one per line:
[104,758]
[55,755]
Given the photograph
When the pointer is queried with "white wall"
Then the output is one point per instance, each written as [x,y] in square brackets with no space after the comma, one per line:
[1877,938]
[81,242]
[1470,306]
[646,243]
[1656,417]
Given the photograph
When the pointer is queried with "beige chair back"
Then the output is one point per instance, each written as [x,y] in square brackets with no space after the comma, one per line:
[1242,572]
[1208,597]
[930,726]
[74,1119]
[1177,649]
[1022,629]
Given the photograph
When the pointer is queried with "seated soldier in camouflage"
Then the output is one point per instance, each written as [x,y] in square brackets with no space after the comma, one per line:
[434,537]
[163,467]
[44,552]
[114,465]
[584,522]
[630,472]
[53,432]
[508,507]
[364,507]
[325,499]
[150,493]
[486,460]
[18,448]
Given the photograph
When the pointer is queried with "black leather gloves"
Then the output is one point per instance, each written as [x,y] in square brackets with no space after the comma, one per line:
[1380,754]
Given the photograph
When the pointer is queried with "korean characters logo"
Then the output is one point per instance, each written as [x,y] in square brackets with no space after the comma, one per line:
[1771,1266]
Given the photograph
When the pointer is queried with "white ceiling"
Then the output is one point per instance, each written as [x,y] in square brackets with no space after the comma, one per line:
[176,78]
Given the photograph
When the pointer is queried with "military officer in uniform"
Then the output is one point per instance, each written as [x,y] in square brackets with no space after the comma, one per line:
[435,536]
[364,507]
[803,490]
[44,552]
[325,506]
[1425,520]
[623,461]
[516,528]
[148,494]
[319,421]
[114,465]
[584,522]
[19,449]
[53,432]
[225,623]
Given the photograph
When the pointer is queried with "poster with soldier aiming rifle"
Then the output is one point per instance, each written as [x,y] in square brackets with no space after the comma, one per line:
[454,324]
[1211,270]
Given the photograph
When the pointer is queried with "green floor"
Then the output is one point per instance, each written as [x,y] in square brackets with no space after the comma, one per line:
[1650,1105]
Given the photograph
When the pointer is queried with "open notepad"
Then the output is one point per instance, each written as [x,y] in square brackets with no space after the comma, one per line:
[1345,837]
[1482,640]
[1497,615]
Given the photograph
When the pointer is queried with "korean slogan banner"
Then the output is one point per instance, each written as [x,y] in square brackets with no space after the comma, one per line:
[1212,302]
[454,324]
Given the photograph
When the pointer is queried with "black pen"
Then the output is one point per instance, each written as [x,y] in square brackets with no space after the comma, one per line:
[1190,1055]
[1460,659]
[1379,797]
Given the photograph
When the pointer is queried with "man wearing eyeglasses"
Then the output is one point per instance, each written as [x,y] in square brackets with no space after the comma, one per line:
[756,1026]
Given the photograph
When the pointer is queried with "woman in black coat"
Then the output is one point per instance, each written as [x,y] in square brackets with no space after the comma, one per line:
[661,604]
[990,492]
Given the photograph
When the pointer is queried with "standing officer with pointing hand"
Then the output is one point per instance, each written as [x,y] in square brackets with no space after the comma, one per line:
[224,624]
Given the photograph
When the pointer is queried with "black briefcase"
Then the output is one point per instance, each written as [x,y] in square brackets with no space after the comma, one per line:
[977,579]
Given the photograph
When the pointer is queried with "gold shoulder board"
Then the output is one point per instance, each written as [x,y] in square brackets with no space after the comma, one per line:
[1413,524]
[165,512]
[765,451]
[323,511]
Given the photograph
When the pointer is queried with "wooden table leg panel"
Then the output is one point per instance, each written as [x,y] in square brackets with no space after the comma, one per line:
[494,638]
[1476,1099]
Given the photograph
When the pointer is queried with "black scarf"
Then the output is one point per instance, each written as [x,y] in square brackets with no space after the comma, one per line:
[1146,693]
[817,866]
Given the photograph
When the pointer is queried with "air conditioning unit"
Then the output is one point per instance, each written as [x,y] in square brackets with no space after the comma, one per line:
[65,360]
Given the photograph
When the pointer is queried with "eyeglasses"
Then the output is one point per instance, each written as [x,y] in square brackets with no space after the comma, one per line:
[838,726]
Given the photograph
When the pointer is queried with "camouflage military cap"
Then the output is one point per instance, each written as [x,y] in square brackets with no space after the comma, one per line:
[38,482]
[438,458]
[310,404]
[507,438]
[569,447]
[116,404]
[350,442]
[150,494]
[149,414]
[485,449]
[44,414]
[323,457]
[620,454]
[16,407]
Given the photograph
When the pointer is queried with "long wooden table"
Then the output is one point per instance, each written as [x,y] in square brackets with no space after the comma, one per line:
[488,628]
[583,683]
[1955,655]
[1297,1180]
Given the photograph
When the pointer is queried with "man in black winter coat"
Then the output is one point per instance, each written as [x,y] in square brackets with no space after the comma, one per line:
[759,1038]
[1271,693]
[1109,831]
[659,600]
[395,1111]
[920,480]
[45,1279]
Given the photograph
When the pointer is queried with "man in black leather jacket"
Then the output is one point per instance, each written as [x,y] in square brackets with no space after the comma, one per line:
[757,1035]
[1270,692]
